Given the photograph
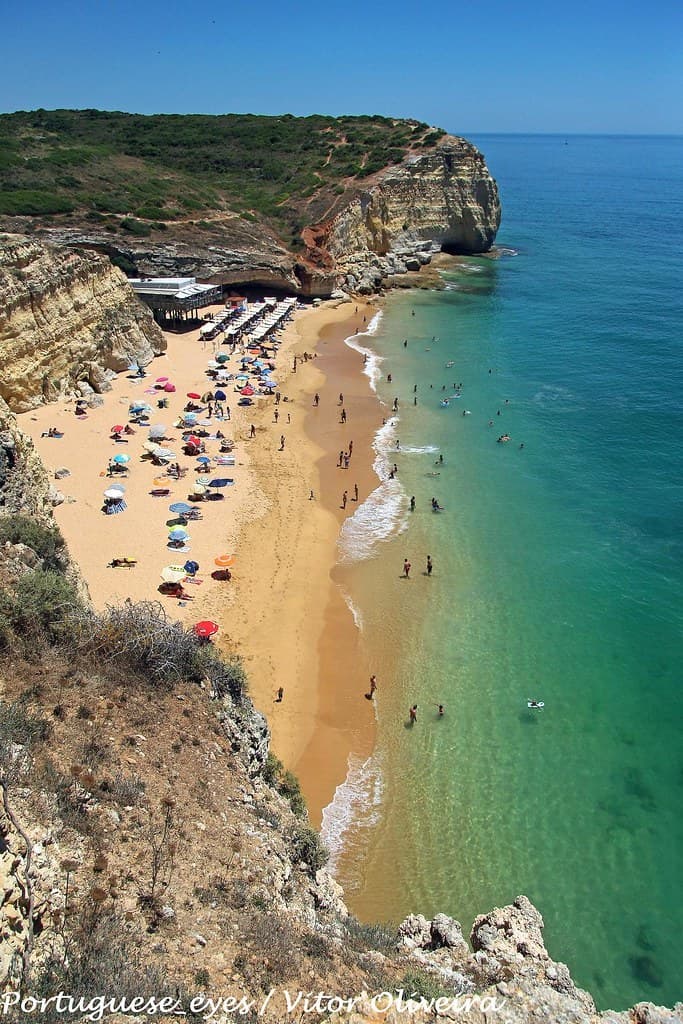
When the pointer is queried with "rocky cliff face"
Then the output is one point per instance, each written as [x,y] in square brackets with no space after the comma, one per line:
[444,199]
[66,320]
[438,198]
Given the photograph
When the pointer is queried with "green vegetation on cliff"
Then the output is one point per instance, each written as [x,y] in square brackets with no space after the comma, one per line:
[134,173]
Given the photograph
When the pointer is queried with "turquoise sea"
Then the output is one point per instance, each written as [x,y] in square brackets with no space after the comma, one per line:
[558,574]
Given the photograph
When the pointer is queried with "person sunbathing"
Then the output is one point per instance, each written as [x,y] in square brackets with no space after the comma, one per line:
[117,563]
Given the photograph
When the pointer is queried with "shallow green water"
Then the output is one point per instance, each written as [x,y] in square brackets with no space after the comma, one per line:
[557,576]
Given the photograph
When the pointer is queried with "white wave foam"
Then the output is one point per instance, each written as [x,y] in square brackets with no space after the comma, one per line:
[373,360]
[409,449]
[355,612]
[382,515]
[356,803]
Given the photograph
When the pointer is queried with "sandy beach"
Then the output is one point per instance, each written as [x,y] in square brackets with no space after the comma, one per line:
[281,612]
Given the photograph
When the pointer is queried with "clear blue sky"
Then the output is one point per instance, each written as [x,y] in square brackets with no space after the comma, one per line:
[466,65]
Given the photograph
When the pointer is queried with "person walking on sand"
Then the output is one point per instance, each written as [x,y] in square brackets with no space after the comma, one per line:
[252,431]
[276,416]
[355,492]
[282,442]
[373,686]
[413,714]
[350,447]
[341,398]
[280,695]
[343,416]
[341,459]
[345,497]
[406,568]
[430,565]
[316,399]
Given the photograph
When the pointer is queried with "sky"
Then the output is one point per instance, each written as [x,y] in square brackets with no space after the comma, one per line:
[464,65]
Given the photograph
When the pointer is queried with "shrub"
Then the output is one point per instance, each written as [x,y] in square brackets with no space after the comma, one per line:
[420,985]
[38,608]
[30,202]
[135,227]
[307,846]
[47,542]
[102,958]
[382,937]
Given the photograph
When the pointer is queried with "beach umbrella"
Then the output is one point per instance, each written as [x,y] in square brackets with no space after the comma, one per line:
[170,388]
[178,533]
[190,418]
[194,395]
[220,396]
[222,358]
[204,630]
[180,508]
[150,446]
[164,454]
[207,396]
[198,489]
[192,439]
[221,481]
[114,492]
[202,480]
[224,561]
[117,428]
[121,460]
[268,383]
[173,574]
[247,390]
[191,567]
[204,459]
[156,432]
[161,380]
[212,364]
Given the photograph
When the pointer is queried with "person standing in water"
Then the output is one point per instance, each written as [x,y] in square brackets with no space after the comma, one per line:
[430,565]
[412,504]
[413,714]
[406,568]
[373,685]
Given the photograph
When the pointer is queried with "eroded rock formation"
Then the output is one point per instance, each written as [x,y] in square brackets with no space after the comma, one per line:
[67,319]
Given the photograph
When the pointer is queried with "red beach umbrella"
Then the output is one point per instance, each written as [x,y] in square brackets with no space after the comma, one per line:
[161,380]
[195,441]
[206,629]
[248,390]
[169,387]
[117,428]
[193,394]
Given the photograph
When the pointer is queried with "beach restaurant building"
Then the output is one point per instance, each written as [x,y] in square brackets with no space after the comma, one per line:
[175,298]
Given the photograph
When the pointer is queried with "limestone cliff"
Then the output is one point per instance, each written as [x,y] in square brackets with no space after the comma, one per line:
[443,199]
[438,197]
[66,320]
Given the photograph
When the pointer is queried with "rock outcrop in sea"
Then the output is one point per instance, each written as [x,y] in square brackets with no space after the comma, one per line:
[67,321]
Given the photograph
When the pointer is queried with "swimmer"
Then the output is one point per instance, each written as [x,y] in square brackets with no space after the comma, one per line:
[412,504]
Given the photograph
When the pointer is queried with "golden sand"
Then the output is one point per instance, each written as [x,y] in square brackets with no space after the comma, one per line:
[281,612]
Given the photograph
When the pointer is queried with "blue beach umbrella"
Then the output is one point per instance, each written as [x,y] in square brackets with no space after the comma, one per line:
[204,460]
[220,396]
[178,533]
[180,508]
[139,407]
[221,482]
[121,460]
[191,567]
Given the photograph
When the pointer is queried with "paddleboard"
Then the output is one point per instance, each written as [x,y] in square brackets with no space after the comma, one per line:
[535,705]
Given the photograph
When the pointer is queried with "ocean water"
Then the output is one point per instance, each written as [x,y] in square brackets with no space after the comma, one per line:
[558,572]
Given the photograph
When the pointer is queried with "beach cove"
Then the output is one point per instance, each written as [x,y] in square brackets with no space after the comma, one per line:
[280,612]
